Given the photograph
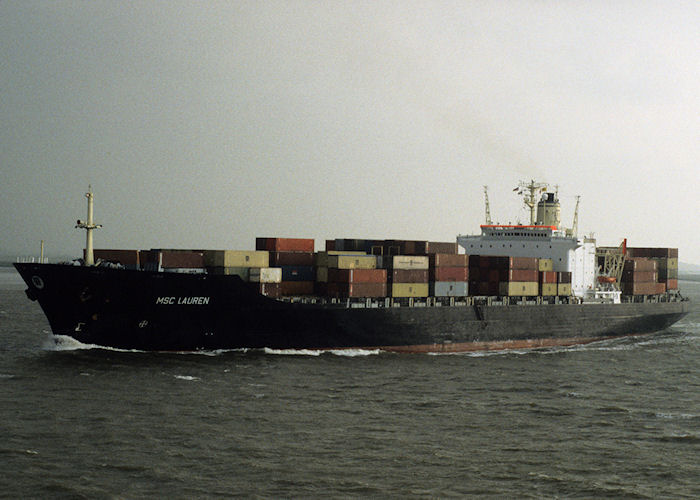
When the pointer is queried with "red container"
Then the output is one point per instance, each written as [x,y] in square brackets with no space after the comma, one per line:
[296,288]
[357,275]
[519,275]
[448,260]
[548,277]
[660,288]
[672,285]
[449,273]
[285,244]
[408,276]
[278,259]
[357,290]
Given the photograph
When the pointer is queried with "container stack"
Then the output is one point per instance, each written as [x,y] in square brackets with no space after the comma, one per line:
[408,275]
[174,261]
[295,258]
[518,276]
[564,283]
[251,266]
[449,275]
[483,275]
[547,278]
[666,265]
[639,276]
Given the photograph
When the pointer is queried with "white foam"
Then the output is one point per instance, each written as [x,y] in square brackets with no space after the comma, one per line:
[186,377]
[317,352]
[66,343]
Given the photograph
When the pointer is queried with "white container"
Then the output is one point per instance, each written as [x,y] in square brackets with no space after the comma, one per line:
[410,262]
[266,274]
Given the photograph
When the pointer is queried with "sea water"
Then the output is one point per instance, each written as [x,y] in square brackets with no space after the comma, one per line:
[617,418]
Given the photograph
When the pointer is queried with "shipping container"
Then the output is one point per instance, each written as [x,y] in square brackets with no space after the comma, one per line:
[322,257]
[483,288]
[448,260]
[357,275]
[638,288]
[266,275]
[410,289]
[660,288]
[298,273]
[352,261]
[672,284]
[449,274]
[639,276]
[357,289]
[285,244]
[278,259]
[564,289]
[639,264]
[408,276]
[449,289]
[531,263]
[236,258]
[546,265]
[181,259]
[652,252]
[330,245]
[293,288]
[518,275]
[548,289]
[667,274]
[409,262]
[518,288]
[549,277]
[439,247]
[564,277]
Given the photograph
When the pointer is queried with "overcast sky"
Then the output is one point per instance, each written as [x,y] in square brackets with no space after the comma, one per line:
[207,124]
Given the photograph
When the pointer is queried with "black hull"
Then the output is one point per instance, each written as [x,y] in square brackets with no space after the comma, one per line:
[185,312]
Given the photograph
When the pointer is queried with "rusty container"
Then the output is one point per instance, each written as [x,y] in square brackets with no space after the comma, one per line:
[564,277]
[549,277]
[127,258]
[357,275]
[639,264]
[285,244]
[293,288]
[639,276]
[519,275]
[343,290]
[272,290]
[408,276]
[448,260]
[449,274]
[444,247]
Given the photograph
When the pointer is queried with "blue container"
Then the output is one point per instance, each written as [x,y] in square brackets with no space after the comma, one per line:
[298,273]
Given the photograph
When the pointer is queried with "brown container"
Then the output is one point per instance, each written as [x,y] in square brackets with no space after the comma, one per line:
[330,245]
[439,247]
[548,277]
[278,259]
[170,259]
[638,288]
[449,274]
[672,285]
[296,288]
[272,290]
[530,263]
[285,244]
[652,252]
[448,260]
[660,288]
[127,258]
[408,276]
[357,275]
[357,290]
[530,275]
[640,264]
[639,276]
[563,277]
[483,288]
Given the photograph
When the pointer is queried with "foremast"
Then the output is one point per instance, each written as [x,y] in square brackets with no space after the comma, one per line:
[89,225]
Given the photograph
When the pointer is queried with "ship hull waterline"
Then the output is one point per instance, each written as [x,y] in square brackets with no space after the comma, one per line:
[152,311]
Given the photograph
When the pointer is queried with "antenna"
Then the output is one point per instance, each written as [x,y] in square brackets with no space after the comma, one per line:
[488,211]
[88,225]
[529,197]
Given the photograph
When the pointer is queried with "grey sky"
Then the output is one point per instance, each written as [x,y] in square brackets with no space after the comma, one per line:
[207,124]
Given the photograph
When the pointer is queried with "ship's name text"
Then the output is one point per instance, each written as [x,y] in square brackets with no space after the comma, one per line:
[199,301]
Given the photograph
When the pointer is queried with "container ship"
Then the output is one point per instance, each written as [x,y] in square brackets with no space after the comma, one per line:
[510,287]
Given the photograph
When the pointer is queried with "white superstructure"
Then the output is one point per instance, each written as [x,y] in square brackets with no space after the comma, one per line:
[544,238]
